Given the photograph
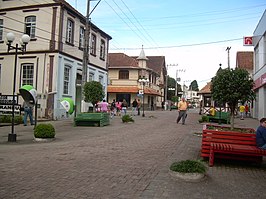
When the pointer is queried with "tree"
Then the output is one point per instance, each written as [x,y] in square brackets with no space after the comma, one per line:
[232,86]
[93,92]
[171,83]
[194,86]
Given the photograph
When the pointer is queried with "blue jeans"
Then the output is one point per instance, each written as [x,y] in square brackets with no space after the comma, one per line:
[263,147]
[28,112]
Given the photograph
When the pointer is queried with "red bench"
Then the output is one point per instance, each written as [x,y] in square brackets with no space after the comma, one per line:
[230,145]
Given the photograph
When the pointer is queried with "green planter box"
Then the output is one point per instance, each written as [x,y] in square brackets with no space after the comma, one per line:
[92,119]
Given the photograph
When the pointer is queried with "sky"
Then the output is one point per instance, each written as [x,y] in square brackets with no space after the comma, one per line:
[193,35]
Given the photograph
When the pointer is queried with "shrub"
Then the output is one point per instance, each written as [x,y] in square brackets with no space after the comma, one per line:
[205,118]
[188,166]
[18,119]
[44,131]
[127,118]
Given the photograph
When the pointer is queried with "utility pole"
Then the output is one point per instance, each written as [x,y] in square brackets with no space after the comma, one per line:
[228,55]
[85,54]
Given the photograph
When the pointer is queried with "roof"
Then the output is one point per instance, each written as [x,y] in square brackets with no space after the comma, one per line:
[131,89]
[121,60]
[156,63]
[206,89]
[244,59]
[142,55]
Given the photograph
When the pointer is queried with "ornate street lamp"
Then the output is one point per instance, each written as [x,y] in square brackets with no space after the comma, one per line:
[10,37]
[143,81]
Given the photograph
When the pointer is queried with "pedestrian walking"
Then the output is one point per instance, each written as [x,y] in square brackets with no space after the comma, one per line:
[182,110]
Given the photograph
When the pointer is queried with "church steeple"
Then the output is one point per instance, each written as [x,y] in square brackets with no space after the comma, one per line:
[142,59]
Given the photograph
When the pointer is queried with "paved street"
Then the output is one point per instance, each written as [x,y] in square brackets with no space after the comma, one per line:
[124,161]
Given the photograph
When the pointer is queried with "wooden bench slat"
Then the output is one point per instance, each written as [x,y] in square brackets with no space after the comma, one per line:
[228,144]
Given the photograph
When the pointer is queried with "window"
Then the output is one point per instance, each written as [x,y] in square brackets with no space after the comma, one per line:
[66,79]
[30,26]
[93,44]
[70,31]
[81,37]
[91,77]
[27,74]
[102,50]
[1,29]
[123,74]
[101,79]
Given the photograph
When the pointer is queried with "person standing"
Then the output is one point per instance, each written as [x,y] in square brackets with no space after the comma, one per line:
[27,112]
[261,134]
[104,106]
[182,110]
[241,110]
[113,108]
[139,106]
[246,110]
[134,107]
[124,107]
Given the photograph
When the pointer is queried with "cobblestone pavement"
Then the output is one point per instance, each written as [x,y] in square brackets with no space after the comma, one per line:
[124,161]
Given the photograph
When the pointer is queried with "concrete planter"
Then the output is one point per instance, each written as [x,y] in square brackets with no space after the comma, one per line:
[188,177]
[43,139]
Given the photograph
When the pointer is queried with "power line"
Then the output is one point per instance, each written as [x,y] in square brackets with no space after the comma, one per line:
[184,45]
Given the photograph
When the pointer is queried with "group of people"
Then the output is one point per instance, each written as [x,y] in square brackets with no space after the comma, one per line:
[118,107]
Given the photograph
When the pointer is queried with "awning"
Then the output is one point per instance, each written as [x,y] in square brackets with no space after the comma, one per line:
[131,89]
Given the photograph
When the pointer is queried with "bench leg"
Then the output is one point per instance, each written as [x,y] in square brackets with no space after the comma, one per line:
[211,157]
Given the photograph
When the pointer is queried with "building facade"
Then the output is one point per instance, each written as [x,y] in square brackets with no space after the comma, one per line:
[259,72]
[124,75]
[53,62]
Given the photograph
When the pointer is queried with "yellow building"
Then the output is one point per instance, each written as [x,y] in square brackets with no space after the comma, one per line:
[124,73]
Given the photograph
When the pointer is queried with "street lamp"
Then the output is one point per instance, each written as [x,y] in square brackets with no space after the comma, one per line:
[10,37]
[143,81]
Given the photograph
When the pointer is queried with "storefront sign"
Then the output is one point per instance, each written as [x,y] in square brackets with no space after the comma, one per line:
[8,99]
[260,81]
[7,109]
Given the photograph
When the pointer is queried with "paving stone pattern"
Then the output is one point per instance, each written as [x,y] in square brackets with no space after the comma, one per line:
[123,161]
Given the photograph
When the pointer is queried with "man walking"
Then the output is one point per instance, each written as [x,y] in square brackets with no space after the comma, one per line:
[182,109]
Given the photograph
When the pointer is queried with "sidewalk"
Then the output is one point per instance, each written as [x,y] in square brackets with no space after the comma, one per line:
[119,161]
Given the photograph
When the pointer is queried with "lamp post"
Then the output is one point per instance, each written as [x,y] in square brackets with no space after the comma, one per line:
[10,37]
[143,81]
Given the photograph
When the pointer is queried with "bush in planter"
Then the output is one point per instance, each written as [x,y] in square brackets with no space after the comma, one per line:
[44,131]
[188,166]
[127,118]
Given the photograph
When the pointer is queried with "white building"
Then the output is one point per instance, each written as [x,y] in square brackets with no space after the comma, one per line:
[53,60]
[259,76]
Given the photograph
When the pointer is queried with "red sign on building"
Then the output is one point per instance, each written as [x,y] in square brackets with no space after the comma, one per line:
[248,41]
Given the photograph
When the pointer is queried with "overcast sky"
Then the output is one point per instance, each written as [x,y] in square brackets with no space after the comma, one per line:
[192,35]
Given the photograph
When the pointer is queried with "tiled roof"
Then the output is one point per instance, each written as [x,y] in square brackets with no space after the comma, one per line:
[130,89]
[120,60]
[206,89]
[156,63]
[244,60]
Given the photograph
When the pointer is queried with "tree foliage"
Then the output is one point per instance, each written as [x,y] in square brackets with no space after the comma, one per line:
[93,92]
[171,83]
[232,86]
[194,86]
